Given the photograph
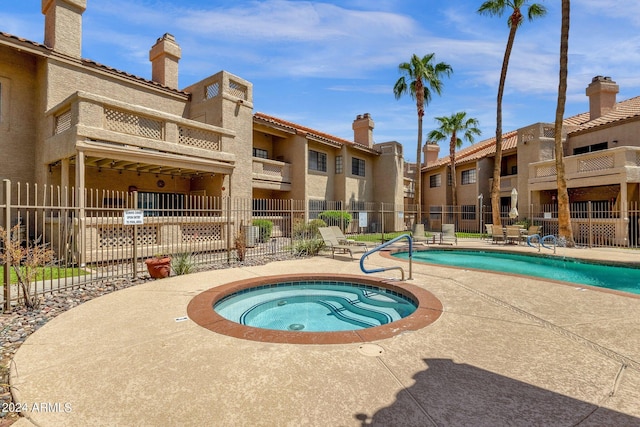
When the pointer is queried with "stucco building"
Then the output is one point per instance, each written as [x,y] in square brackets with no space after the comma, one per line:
[602,167]
[70,121]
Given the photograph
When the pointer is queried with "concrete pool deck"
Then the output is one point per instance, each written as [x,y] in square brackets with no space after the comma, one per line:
[506,350]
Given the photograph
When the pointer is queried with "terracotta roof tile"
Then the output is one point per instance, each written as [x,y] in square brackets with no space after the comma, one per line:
[479,150]
[321,135]
[25,41]
[88,62]
[622,111]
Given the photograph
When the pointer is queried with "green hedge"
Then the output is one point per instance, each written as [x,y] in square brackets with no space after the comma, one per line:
[265,229]
[339,218]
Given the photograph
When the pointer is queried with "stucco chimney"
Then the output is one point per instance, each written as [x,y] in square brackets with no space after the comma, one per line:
[363,130]
[164,57]
[63,25]
[431,153]
[602,96]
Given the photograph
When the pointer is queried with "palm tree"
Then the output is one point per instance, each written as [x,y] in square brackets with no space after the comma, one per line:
[420,77]
[497,8]
[564,214]
[455,125]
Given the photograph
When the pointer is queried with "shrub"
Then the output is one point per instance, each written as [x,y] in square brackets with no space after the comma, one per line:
[265,229]
[306,247]
[339,218]
[308,230]
[25,261]
[183,263]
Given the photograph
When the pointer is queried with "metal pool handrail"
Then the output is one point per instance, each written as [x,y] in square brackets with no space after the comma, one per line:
[541,241]
[378,248]
[552,238]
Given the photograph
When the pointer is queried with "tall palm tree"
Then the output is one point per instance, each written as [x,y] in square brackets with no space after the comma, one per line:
[453,127]
[420,77]
[564,214]
[498,8]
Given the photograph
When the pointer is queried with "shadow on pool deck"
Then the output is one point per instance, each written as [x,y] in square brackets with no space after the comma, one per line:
[440,389]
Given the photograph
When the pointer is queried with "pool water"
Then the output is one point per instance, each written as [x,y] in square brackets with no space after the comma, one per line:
[315,306]
[619,278]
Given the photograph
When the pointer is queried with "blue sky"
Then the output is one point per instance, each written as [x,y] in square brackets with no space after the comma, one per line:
[321,63]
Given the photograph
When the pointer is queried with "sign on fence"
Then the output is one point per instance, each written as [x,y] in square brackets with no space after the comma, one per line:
[133,217]
[362,221]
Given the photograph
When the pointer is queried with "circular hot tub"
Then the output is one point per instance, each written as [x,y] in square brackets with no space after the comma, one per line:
[314,309]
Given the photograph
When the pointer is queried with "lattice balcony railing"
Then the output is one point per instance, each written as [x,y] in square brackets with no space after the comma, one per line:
[199,138]
[132,124]
[547,170]
[596,163]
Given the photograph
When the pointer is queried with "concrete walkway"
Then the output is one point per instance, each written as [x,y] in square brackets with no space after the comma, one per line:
[507,350]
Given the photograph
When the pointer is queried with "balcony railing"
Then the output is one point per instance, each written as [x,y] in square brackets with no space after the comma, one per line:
[267,173]
[588,165]
[93,117]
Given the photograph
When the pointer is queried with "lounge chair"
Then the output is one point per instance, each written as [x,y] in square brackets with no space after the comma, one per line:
[342,239]
[448,235]
[331,241]
[417,235]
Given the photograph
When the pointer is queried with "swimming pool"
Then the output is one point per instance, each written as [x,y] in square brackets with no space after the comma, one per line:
[619,278]
[315,306]
[364,309]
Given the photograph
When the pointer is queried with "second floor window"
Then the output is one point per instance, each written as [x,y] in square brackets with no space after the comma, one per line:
[317,161]
[469,176]
[435,181]
[259,152]
[338,164]
[357,167]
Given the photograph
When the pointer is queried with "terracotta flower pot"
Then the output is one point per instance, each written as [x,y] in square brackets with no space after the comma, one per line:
[159,268]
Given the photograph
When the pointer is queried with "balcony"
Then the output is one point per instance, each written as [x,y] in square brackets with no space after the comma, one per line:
[507,183]
[103,126]
[596,168]
[271,174]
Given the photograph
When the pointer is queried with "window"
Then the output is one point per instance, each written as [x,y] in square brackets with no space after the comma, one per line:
[339,164]
[357,166]
[469,176]
[161,204]
[317,161]
[514,170]
[469,212]
[259,152]
[449,179]
[435,181]
[590,148]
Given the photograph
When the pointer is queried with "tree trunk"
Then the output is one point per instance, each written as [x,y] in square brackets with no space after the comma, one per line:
[419,88]
[495,188]
[564,215]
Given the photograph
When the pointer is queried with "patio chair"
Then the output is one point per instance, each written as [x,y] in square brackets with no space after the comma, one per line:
[498,234]
[513,234]
[533,229]
[342,239]
[489,229]
[448,235]
[331,241]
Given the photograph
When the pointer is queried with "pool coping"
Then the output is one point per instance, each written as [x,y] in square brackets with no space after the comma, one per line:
[200,310]
[389,255]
